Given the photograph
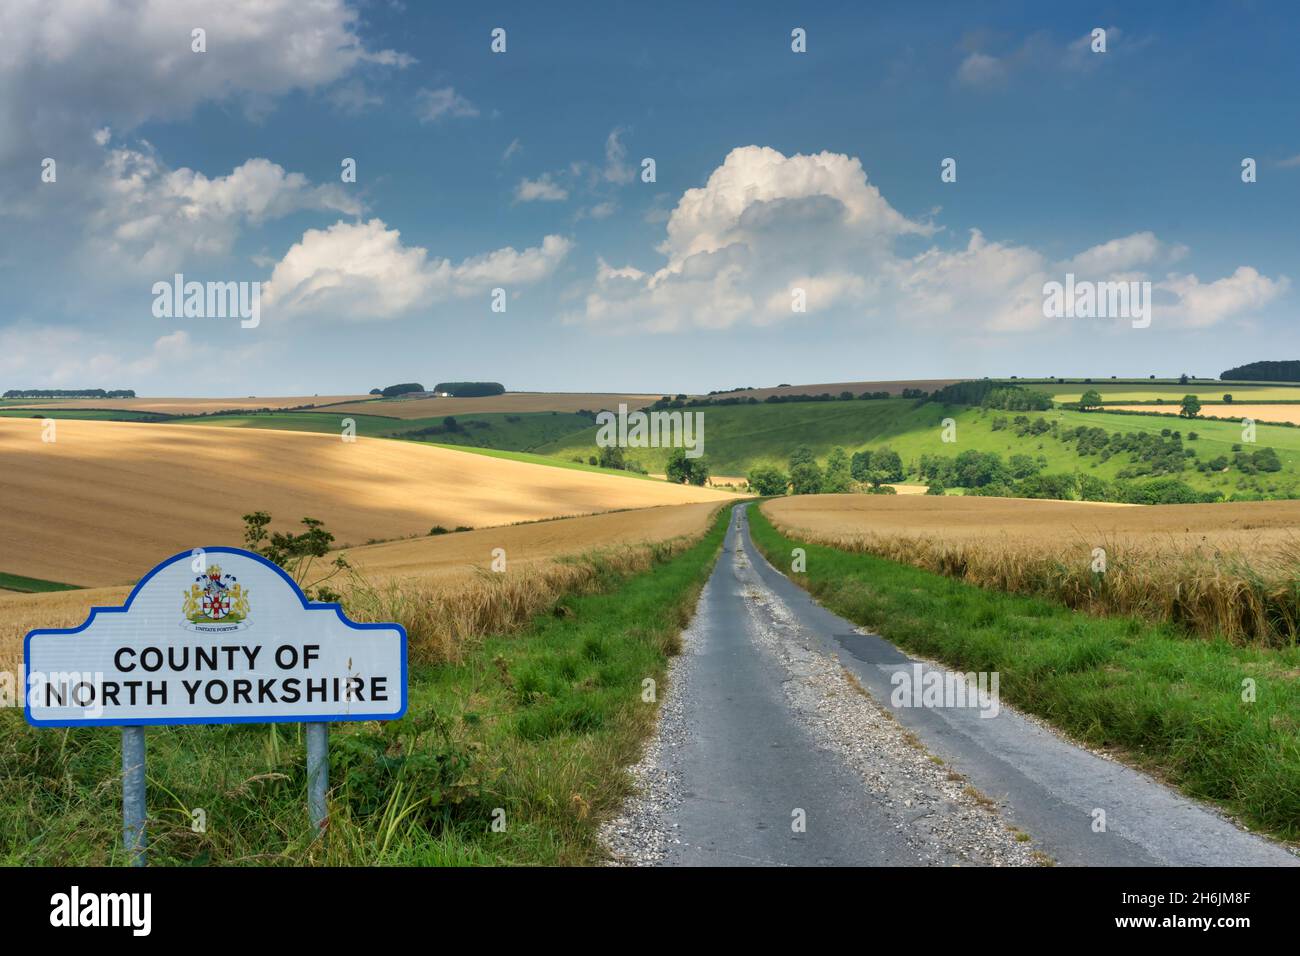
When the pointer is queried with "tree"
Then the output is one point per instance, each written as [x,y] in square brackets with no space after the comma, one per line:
[1266,460]
[837,480]
[1182,379]
[682,470]
[976,469]
[806,478]
[1228,398]
[936,489]
[1191,406]
[860,465]
[679,467]
[1022,466]
[611,456]
[470,389]
[801,455]
[699,471]
[1090,399]
[886,461]
[766,480]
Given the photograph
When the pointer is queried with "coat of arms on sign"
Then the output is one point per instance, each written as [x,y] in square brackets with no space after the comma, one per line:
[216,601]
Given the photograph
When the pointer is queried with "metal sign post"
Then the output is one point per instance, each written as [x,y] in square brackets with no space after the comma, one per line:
[133,804]
[199,642]
[318,775]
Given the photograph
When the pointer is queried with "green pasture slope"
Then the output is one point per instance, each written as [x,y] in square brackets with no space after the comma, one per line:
[739,437]
[546,460]
[84,414]
[975,431]
[497,430]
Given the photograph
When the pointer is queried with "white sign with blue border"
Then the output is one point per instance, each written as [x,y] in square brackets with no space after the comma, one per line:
[215,636]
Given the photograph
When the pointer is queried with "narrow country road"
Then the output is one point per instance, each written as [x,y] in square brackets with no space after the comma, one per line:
[778,745]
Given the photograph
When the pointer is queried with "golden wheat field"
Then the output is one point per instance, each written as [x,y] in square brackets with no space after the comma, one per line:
[1236,411]
[1052,522]
[190,406]
[509,402]
[107,500]
[439,587]
[1230,569]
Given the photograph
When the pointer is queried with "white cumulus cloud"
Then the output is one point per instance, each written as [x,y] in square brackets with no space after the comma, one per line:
[1202,304]
[152,218]
[362,271]
[765,224]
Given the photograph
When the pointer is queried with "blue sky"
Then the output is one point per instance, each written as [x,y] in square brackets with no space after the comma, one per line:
[775,170]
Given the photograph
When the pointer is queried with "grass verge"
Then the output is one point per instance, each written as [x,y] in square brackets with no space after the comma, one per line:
[1170,704]
[534,728]
[1247,595]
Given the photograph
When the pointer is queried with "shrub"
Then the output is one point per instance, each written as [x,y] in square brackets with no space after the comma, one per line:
[766,480]
[392,391]
[470,389]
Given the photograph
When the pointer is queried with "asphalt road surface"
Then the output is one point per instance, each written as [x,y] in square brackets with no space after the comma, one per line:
[771,754]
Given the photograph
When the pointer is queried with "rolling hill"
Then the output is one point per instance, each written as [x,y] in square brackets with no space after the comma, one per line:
[514,402]
[107,500]
[738,438]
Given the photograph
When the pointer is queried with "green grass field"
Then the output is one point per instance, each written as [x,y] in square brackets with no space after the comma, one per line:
[548,461]
[975,431]
[16,582]
[736,438]
[506,432]
[1173,703]
[538,725]
[83,414]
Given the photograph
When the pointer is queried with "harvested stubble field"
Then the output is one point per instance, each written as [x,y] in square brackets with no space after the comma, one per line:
[1230,569]
[1236,411]
[107,500]
[440,588]
[189,406]
[509,402]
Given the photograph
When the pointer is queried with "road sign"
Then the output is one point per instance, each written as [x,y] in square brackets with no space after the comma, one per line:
[214,636]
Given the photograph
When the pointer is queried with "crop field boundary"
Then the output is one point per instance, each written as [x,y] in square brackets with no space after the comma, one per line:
[513,755]
[1166,703]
